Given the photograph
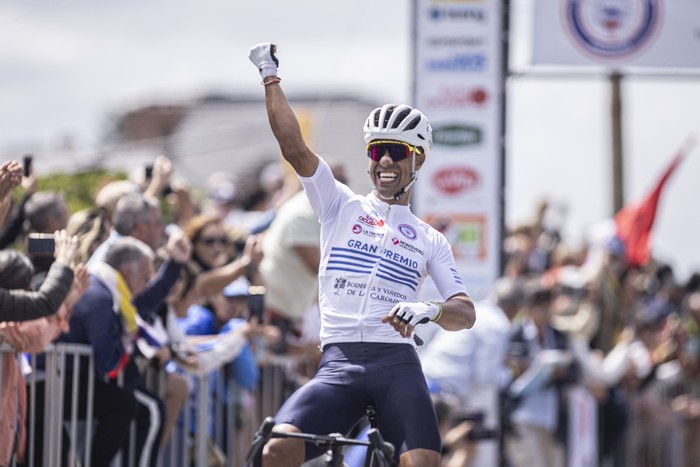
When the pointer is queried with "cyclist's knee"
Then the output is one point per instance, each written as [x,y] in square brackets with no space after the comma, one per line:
[420,458]
[281,452]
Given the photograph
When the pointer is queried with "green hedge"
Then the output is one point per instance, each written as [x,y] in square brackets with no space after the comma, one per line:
[79,188]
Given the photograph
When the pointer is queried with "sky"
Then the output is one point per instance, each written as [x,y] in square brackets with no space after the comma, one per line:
[67,65]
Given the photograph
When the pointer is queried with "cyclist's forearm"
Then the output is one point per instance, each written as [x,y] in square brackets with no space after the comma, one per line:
[458,313]
[287,131]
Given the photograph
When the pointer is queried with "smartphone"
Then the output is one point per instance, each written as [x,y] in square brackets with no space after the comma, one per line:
[27,162]
[148,171]
[40,245]
[256,303]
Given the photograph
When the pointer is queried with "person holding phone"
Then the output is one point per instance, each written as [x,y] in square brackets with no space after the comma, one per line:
[10,178]
[17,303]
[17,300]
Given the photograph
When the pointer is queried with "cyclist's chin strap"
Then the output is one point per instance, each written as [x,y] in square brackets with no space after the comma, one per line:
[400,194]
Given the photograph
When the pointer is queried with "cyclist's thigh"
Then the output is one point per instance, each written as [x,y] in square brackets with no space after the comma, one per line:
[332,402]
[405,413]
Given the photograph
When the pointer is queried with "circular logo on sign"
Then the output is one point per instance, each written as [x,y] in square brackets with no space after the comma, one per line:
[611,29]
[408,231]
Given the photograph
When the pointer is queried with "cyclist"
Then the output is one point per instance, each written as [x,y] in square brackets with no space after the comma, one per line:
[375,255]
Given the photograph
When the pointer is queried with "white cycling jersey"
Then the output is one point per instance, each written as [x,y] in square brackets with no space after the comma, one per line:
[373,255]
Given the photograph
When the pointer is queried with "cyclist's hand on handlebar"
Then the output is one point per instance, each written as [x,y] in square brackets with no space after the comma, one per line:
[406,315]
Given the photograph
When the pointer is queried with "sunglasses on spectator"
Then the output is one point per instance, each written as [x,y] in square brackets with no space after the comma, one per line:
[398,150]
[209,241]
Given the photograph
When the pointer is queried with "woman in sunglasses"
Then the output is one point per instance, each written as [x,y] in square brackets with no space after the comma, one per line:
[375,255]
[213,255]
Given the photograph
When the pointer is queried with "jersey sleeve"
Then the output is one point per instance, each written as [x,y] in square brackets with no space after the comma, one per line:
[325,194]
[443,270]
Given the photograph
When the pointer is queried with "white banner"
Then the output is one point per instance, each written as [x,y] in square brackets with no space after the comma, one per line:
[583,428]
[457,83]
[617,33]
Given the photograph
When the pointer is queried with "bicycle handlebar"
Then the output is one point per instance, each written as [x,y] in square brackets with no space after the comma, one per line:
[262,436]
[383,450]
[321,440]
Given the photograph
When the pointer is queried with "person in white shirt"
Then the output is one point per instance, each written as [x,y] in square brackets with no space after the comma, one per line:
[467,368]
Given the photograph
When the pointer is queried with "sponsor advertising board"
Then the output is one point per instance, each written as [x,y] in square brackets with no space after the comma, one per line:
[458,77]
[617,33]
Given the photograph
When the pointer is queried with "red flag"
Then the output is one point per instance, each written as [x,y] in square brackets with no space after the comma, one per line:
[635,220]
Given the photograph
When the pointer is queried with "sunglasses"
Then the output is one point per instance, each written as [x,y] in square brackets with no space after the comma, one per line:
[398,150]
[209,241]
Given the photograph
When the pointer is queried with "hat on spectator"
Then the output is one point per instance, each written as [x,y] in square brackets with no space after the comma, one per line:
[576,316]
[615,247]
[238,288]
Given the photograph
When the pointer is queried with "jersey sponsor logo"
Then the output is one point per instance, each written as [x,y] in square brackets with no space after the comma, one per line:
[408,231]
[611,29]
[384,294]
[339,285]
[458,62]
[455,180]
[451,97]
[362,246]
[405,245]
[357,229]
[343,286]
[363,258]
[371,221]
[457,135]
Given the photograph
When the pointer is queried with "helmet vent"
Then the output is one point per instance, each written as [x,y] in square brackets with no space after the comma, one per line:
[400,117]
[414,123]
[387,116]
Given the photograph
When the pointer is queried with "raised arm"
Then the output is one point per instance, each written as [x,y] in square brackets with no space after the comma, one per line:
[283,121]
[214,280]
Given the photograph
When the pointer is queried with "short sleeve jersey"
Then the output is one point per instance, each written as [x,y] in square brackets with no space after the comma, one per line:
[373,255]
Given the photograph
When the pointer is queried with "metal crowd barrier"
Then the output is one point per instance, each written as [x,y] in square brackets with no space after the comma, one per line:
[221,418]
[658,434]
[215,419]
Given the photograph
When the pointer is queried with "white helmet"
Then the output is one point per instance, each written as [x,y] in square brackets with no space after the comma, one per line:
[400,123]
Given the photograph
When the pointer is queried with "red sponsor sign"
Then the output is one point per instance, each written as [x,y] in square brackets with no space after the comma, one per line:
[458,97]
[454,180]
